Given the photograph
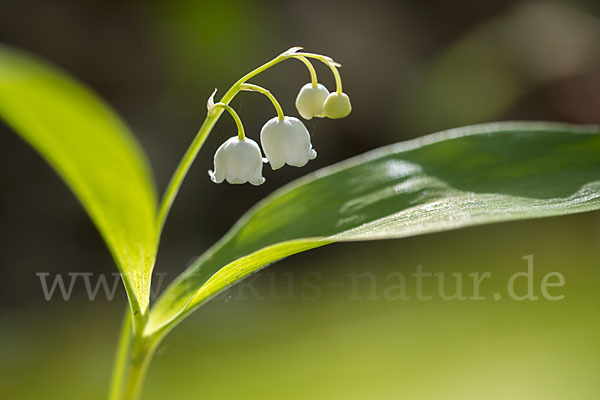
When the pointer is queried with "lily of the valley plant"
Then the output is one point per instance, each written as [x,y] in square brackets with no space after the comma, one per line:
[461,177]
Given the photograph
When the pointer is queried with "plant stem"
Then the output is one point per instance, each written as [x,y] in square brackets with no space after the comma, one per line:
[184,166]
[131,363]
[141,353]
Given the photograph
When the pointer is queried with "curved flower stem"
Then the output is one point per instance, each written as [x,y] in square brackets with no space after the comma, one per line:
[236,118]
[255,88]
[311,70]
[203,132]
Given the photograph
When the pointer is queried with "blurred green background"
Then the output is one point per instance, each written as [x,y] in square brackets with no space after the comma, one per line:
[411,68]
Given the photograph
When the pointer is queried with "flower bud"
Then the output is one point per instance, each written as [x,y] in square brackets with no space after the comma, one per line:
[337,105]
[286,141]
[310,100]
[238,161]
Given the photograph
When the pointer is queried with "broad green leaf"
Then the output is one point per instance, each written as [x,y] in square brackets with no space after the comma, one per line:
[94,152]
[462,177]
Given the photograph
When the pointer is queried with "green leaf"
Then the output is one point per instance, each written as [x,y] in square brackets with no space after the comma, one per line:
[94,152]
[462,177]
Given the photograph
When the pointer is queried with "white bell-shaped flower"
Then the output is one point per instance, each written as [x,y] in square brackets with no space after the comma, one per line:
[238,161]
[337,105]
[310,100]
[286,141]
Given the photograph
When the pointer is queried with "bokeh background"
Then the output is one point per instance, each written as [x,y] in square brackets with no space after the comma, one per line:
[411,68]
